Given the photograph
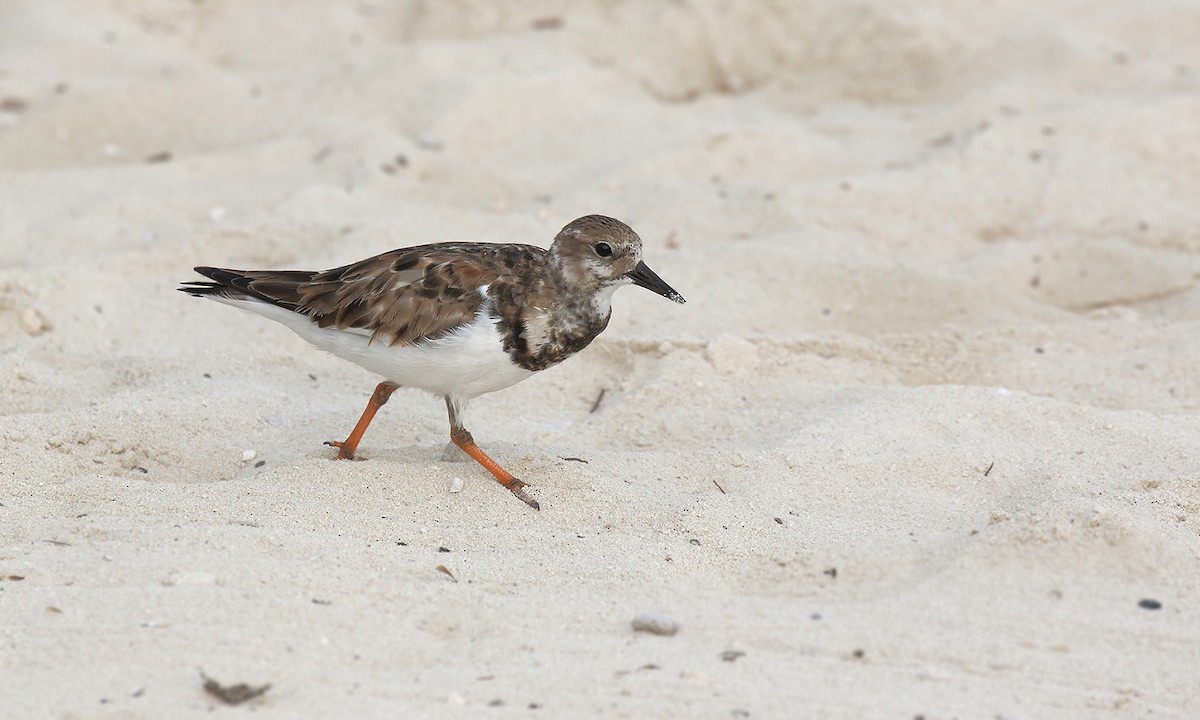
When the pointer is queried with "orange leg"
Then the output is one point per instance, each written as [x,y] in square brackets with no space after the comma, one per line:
[346,449]
[462,438]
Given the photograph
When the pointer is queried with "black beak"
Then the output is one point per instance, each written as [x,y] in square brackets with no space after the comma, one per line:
[643,276]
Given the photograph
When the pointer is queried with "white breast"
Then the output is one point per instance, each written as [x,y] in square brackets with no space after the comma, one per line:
[466,363]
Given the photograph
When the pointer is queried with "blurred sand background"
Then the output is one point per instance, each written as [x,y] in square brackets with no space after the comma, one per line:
[941,353]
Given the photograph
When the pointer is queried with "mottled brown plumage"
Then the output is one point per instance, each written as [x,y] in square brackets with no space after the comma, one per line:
[442,307]
[400,296]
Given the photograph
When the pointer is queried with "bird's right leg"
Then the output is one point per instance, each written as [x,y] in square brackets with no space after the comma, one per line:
[461,437]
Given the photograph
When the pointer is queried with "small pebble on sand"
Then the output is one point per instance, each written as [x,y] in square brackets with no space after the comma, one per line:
[655,624]
[33,322]
[456,485]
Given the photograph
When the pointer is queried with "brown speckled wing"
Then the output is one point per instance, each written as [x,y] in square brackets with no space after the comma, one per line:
[400,296]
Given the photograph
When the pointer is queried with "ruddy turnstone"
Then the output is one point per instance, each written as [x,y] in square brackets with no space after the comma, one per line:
[456,319]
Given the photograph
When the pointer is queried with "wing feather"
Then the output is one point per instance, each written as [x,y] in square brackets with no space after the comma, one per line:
[403,296]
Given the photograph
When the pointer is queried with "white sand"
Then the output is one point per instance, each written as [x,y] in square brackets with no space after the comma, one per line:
[943,335]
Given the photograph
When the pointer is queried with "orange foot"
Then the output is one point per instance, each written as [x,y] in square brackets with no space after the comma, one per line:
[344,453]
[517,487]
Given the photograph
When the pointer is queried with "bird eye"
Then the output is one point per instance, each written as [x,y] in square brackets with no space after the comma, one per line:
[603,250]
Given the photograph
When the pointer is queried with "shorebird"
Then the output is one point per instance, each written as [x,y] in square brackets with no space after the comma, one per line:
[456,319]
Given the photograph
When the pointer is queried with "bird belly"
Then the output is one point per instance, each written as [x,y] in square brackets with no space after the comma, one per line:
[466,362]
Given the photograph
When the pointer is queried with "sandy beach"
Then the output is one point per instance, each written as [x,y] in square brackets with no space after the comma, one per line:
[923,443]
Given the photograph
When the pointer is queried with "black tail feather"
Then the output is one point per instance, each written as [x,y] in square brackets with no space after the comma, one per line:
[226,283]
[277,287]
